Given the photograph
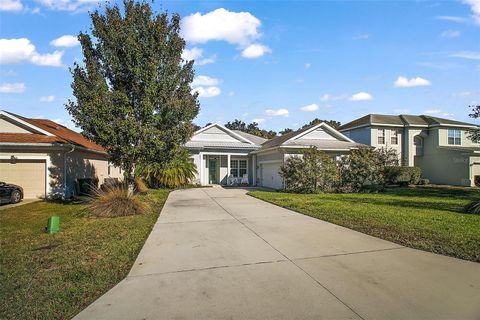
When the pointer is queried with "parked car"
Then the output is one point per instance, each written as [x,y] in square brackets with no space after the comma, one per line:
[10,193]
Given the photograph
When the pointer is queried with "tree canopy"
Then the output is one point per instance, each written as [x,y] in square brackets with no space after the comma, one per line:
[133,93]
[332,123]
[474,134]
[251,128]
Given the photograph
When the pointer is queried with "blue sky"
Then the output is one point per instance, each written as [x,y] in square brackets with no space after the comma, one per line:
[281,63]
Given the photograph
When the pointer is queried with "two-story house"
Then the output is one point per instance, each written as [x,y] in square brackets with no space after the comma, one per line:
[440,147]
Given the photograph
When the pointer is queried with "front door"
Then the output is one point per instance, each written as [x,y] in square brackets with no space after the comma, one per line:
[212,171]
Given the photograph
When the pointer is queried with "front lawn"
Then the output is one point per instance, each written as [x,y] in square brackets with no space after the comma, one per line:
[424,218]
[56,276]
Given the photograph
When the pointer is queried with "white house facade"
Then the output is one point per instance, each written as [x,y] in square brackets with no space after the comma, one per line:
[225,156]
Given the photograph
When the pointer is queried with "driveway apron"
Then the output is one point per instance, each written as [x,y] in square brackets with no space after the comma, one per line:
[217,253]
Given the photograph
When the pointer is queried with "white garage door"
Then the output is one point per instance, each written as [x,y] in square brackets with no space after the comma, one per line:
[28,174]
[270,177]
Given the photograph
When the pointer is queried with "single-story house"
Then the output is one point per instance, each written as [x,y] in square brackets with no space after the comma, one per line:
[221,154]
[47,159]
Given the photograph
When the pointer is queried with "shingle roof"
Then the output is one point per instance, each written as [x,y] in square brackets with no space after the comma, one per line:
[255,139]
[275,142]
[60,133]
[401,120]
[219,144]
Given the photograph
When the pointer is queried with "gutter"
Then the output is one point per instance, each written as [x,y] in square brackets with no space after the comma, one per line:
[59,145]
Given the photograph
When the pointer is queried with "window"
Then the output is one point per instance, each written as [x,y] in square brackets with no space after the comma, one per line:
[455,136]
[394,137]
[238,168]
[381,136]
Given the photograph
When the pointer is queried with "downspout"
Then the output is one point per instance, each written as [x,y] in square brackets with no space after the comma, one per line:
[65,170]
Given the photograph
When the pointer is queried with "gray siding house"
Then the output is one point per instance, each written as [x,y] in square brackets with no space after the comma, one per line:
[221,154]
[440,147]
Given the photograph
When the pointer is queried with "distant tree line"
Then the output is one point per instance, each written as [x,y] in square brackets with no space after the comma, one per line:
[253,128]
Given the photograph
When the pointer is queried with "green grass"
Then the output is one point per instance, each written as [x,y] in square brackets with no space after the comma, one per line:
[429,219]
[56,276]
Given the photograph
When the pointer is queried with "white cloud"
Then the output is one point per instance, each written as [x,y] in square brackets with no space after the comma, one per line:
[11,5]
[439,113]
[231,93]
[475,7]
[310,108]
[255,50]
[22,50]
[363,36]
[472,55]
[277,112]
[47,98]
[361,96]
[12,87]
[205,81]
[65,41]
[450,34]
[69,5]
[258,120]
[207,92]
[432,111]
[329,97]
[307,65]
[58,120]
[403,82]
[197,55]
[238,28]
[453,19]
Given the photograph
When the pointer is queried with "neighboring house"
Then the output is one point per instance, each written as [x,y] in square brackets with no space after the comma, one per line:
[46,158]
[219,152]
[440,147]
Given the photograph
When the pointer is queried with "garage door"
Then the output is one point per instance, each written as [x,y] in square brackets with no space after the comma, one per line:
[28,174]
[270,177]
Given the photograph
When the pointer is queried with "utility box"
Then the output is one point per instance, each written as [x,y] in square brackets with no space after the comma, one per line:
[53,224]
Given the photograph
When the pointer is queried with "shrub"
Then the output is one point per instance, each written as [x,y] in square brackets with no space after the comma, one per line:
[424,182]
[140,186]
[473,207]
[313,172]
[403,175]
[362,167]
[177,173]
[116,201]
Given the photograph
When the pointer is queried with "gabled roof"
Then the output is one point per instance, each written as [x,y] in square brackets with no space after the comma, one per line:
[403,120]
[255,139]
[240,139]
[46,131]
[291,139]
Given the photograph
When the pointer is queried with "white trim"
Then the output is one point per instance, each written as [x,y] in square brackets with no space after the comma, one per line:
[31,126]
[270,161]
[236,135]
[322,124]
[48,164]
[226,153]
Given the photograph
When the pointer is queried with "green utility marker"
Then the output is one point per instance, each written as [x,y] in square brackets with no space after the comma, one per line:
[53,224]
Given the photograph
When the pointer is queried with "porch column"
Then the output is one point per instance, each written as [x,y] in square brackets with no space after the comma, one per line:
[228,166]
[254,168]
[201,168]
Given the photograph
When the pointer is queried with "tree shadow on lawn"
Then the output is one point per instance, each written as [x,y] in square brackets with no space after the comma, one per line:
[429,192]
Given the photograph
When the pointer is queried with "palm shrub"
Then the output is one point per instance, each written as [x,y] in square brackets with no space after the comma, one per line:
[177,173]
[313,172]
[473,207]
[116,200]
[362,169]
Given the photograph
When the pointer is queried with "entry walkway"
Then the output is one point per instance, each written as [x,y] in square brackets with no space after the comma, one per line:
[219,254]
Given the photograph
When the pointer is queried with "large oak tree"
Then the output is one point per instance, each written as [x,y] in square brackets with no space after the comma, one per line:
[133,93]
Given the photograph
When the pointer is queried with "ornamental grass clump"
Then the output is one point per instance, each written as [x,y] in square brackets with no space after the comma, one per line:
[117,201]
[473,207]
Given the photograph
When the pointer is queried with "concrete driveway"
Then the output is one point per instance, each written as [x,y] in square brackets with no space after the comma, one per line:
[219,254]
